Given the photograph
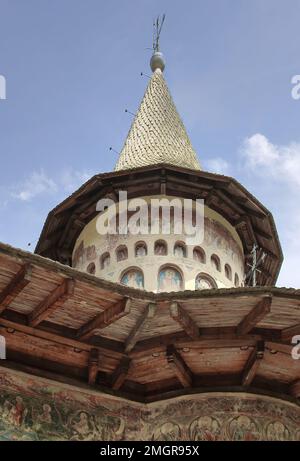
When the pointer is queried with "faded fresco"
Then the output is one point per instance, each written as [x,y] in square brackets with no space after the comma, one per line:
[37,409]
[169,279]
[133,278]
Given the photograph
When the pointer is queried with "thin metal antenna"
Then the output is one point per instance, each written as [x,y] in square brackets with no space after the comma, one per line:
[250,277]
[145,75]
[113,150]
[131,113]
[157,27]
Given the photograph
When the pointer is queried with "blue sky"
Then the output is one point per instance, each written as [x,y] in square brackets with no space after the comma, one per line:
[73,66]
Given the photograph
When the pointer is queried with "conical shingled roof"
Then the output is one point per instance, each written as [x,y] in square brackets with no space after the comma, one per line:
[157,134]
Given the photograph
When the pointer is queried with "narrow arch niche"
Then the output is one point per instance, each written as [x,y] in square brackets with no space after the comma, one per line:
[216,263]
[160,248]
[199,255]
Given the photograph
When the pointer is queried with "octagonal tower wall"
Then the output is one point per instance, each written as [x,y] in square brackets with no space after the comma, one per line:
[163,262]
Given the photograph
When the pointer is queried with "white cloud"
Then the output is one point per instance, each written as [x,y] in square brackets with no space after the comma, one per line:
[281,162]
[217,165]
[280,167]
[37,183]
[71,180]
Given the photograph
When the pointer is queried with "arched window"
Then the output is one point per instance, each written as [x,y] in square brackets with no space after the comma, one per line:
[180,250]
[228,272]
[91,269]
[133,278]
[216,263]
[199,255]
[160,248]
[140,249]
[105,260]
[122,253]
[170,279]
[236,280]
[204,282]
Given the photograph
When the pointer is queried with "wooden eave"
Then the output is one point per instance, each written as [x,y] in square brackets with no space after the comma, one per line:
[253,222]
[143,345]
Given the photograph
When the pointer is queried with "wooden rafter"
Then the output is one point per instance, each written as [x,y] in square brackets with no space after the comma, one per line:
[57,340]
[238,203]
[105,318]
[93,366]
[253,363]
[288,333]
[120,374]
[184,319]
[133,337]
[295,389]
[255,316]
[15,286]
[231,203]
[60,295]
[179,366]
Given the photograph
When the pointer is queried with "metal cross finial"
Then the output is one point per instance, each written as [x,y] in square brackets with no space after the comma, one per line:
[157,26]
[250,277]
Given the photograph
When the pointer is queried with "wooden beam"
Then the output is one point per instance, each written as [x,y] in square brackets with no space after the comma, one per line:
[93,366]
[19,281]
[56,339]
[60,295]
[120,374]
[261,233]
[179,366]
[133,336]
[295,389]
[105,318]
[255,316]
[181,316]
[229,201]
[253,363]
[288,333]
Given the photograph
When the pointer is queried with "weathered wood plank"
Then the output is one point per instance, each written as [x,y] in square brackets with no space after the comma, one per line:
[255,316]
[93,366]
[50,304]
[288,333]
[133,337]
[120,374]
[179,366]
[15,286]
[184,319]
[105,318]
[56,339]
[253,363]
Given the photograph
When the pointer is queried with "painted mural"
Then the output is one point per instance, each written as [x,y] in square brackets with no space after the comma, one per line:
[204,282]
[133,278]
[169,279]
[33,408]
[83,254]
[218,237]
[141,250]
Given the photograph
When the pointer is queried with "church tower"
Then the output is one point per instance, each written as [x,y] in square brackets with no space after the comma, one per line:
[158,162]
[151,336]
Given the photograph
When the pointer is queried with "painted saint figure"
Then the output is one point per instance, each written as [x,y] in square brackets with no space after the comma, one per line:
[133,278]
[169,279]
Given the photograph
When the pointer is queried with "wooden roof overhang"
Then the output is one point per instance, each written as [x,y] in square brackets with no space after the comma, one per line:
[73,327]
[253,222]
